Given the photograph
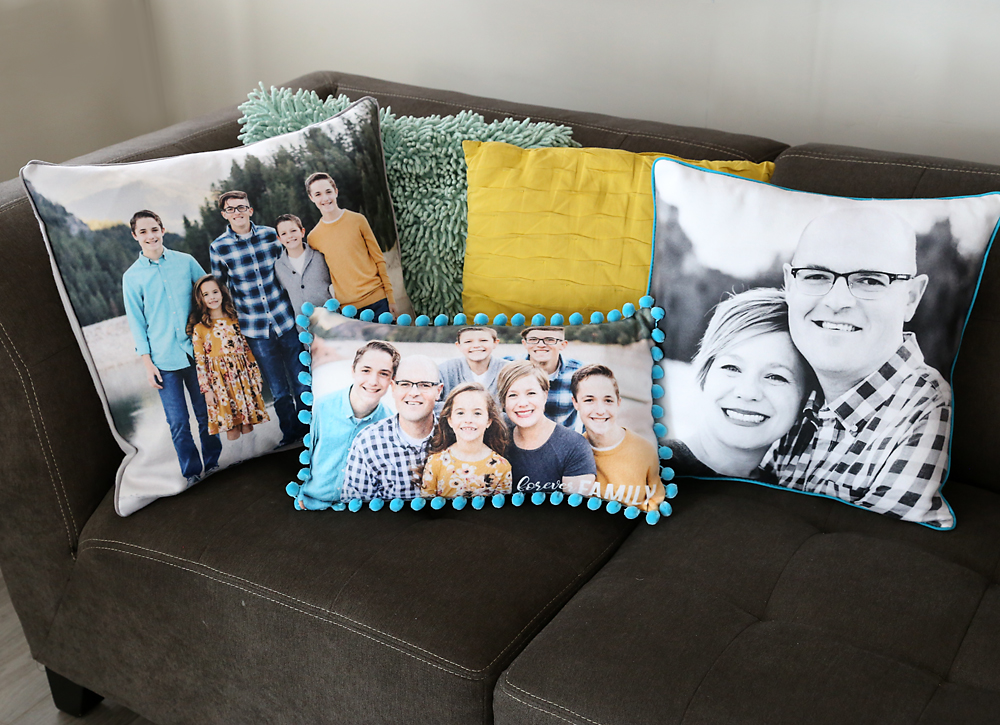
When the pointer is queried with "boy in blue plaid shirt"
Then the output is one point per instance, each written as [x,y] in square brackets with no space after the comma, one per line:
[243,258]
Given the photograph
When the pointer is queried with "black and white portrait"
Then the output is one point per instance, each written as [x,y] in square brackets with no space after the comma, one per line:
[810,339]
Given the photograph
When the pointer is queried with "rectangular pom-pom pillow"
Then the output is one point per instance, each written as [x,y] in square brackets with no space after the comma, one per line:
[411,415]
[182,276]
[810,340]
[561,230]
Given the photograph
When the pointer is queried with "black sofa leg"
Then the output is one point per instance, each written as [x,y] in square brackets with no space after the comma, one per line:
[71,698]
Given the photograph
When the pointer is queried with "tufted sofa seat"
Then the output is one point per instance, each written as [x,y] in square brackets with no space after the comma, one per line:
[759,606]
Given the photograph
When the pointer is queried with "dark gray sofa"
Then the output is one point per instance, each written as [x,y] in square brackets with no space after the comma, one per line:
[748,605]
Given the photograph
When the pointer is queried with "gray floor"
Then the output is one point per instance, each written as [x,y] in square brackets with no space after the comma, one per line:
[24,689]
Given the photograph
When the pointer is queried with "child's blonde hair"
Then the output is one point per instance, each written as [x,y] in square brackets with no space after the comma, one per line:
[496,436]
[199,310]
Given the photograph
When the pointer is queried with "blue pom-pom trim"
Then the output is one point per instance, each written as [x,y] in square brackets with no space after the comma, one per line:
[307,440]
[367,315]
[593,503]
[665,453]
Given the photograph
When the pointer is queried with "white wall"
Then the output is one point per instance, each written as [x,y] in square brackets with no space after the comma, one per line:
[75,75]
[900,75]
[912,76]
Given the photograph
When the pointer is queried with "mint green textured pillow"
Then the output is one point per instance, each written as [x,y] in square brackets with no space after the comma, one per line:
[426,170]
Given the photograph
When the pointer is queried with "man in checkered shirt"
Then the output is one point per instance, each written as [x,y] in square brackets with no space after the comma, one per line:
[243,259]
[876,434]
[544,347]
[387,459]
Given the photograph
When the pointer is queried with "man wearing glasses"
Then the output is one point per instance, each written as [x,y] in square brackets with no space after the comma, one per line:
[544,346]
[387,458]
[877,433]
[243,258]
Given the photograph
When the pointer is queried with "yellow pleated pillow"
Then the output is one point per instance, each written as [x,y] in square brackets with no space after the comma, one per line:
[562,229]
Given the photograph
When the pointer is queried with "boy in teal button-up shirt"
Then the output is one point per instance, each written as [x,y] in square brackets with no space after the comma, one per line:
[157,291]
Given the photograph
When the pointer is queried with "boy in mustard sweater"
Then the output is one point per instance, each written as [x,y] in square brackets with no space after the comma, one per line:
[628,467]
[346,241]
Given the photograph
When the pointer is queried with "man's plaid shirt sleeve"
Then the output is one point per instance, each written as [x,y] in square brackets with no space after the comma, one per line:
[921,456]
[358,481]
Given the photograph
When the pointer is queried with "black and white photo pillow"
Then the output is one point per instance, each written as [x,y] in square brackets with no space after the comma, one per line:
[810,340]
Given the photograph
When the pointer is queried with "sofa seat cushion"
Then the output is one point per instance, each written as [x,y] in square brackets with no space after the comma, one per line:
[752,605]
[231,596]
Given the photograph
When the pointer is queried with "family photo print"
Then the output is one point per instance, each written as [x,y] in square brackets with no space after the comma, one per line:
[406,412]
[185,276]
[810,339]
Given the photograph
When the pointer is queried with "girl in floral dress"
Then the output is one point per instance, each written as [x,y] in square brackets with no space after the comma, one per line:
[466,449]
[227,371]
